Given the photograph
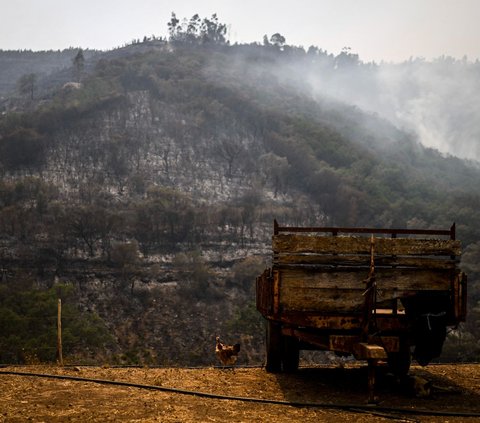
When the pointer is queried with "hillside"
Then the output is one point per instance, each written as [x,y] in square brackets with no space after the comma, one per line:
[146,194]
[48,66]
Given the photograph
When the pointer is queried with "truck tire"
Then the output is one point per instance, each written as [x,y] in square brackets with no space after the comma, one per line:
[273,347]
[291,354]
[399,362]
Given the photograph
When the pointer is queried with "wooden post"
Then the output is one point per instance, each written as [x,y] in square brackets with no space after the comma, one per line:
[372,363]
[59,334]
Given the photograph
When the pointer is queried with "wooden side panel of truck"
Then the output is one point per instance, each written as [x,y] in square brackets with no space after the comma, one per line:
[373,293]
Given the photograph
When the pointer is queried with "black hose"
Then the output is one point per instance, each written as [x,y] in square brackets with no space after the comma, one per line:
[348,407]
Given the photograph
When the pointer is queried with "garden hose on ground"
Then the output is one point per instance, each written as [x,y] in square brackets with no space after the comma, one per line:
[356,408]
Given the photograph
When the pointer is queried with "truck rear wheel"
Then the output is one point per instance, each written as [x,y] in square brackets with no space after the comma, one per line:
[399,362]
[273,347]
[291,354]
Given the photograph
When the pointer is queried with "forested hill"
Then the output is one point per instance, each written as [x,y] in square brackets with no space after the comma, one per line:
[244,116]
[43,64]
[178,156]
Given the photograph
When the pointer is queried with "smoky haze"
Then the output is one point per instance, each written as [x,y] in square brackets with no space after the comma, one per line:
[435,101]
[438,101]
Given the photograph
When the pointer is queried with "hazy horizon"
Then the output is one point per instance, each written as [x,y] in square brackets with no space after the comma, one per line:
[376,30]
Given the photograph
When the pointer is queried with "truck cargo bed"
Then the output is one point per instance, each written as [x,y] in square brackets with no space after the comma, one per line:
[336,288]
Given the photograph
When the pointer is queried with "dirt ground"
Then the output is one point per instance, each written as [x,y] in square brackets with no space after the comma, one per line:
[456,389]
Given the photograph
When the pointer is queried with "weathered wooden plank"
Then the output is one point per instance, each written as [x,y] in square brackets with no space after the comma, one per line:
[276,291]
[333,300]
[362,260]
[347,343]
[336,321]
[365,351]
[335,230]
[263,292]
[386,278]
[322,321]
[295,243]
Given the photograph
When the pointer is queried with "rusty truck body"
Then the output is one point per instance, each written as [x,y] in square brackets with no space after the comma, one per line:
[379,294]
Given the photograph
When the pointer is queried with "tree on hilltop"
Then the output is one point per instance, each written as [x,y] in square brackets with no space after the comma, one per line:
[172,26]
[78,65]
[196,30]
[278,40]
[212,31]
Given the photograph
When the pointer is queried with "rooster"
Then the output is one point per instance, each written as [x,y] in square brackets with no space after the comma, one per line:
[227,354]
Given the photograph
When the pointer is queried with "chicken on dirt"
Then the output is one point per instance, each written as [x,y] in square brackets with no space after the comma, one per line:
[227,354]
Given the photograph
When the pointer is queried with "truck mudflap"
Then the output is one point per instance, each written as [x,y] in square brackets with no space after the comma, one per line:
[429,334]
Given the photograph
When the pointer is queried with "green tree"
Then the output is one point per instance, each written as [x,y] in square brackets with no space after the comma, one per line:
[93,225]
[173,27]
[197,31]
[346,59]
[194,274]
[244,273]
[126,257]
[212,31]
[193,28]
[79,65]
[27,85]
[276,171]
[23,148]
[28,323]
[278,40]
[229,149]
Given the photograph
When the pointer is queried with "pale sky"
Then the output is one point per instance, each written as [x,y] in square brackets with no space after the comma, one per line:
[390,30]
